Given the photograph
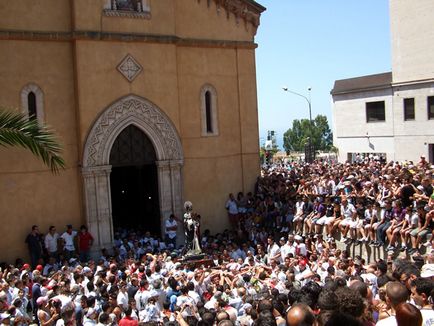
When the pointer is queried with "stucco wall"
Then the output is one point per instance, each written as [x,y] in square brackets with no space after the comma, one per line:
[30,194]
[42,15]
[400,139]
[412,35]
[79,80]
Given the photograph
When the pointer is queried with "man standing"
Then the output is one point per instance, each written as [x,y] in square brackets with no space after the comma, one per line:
[232,208]
[85,241]
[50,242]
[273,250]
[33,241]
[171,228]
[68,242]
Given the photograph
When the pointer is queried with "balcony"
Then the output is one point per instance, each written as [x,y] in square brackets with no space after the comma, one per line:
[128,8]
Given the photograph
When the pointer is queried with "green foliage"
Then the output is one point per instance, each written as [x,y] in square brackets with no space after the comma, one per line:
[17,130]
[295,138]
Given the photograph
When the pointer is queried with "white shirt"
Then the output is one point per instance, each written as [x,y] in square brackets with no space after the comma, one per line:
[427,317]
[69,240]
[170,233]
[348,210]
[389,321]
[287,249]
[122,299]
[274,250]
[51,242]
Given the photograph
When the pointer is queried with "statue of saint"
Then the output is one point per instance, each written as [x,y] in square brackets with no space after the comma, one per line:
[191,230]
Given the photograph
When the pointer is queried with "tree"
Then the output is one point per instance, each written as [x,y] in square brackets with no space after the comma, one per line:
[17,130]
[295,138]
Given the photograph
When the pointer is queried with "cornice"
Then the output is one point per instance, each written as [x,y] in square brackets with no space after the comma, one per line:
[57,36]
[247,10]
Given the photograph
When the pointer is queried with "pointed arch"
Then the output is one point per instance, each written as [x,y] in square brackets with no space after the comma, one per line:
[145,115]
[32,95]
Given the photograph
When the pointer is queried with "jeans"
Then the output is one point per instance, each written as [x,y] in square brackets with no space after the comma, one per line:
[381,232]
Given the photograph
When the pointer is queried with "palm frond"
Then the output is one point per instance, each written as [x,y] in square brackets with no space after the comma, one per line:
[17,130]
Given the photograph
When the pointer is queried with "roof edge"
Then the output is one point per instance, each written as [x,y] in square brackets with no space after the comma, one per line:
[362,83]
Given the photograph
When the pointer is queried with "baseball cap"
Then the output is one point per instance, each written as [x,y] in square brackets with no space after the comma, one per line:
[427,270]
[86,269]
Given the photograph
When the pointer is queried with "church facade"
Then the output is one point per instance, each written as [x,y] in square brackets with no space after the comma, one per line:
[154,102]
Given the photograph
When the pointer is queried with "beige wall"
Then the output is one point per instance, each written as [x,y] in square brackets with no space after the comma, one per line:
[412,35]
[30,194]
[36,15]
[79,79]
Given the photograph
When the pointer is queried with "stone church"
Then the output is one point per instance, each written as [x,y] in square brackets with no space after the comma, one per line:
[154,102]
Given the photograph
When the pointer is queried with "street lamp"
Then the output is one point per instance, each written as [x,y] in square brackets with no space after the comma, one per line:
[309,158]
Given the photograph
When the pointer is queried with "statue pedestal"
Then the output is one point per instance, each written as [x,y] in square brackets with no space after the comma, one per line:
[196,261]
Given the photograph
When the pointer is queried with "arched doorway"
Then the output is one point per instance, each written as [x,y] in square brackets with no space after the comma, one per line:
[129,112]
[134,182]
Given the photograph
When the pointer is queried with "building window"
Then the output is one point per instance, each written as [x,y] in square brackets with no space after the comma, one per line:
[31,105]
[208,99]
[128,8]
[430,107]
[408,109]
[375,111]
[32,102]
[208,111]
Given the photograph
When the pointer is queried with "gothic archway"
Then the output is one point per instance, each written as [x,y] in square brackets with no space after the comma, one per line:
[143,114]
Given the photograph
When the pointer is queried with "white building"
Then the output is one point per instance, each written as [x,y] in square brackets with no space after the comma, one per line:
[392,114]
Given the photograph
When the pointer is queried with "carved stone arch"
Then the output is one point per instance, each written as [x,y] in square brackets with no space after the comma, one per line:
[137,111]
[39,101]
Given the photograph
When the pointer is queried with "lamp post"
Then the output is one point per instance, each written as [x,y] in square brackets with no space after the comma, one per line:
[310,153]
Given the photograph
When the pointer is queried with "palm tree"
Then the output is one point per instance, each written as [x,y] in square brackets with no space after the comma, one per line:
[17,130]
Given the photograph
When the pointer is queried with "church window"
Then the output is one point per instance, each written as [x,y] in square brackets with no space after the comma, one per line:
[209,114]
[31,105]
[32,102]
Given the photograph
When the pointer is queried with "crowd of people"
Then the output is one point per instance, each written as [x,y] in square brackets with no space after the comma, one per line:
[279,264]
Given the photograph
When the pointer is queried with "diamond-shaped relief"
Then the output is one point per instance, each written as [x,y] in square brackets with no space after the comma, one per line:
[130,68]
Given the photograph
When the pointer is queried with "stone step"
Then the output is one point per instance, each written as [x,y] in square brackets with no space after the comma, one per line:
[371,254]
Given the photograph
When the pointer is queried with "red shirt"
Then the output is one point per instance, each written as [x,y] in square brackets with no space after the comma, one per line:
[84,240]
[128,321]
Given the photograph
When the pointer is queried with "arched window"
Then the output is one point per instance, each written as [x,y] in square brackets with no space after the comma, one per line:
[32,102]
[209,114]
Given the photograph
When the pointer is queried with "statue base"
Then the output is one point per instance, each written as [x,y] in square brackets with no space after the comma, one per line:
[194,261]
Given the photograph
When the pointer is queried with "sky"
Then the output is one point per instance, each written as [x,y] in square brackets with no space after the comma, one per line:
[312,43]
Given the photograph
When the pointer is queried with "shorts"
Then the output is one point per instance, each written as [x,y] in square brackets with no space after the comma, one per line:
[397,229]
[297,218]
[329,220]
[421,234]
[346,222]
[322,220]
[356,224]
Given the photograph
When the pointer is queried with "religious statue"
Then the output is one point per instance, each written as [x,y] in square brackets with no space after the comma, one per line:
[191,229]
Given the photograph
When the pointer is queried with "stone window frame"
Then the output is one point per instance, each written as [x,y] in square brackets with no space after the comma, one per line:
[214,111]
[26,90]
[143,12]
